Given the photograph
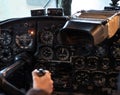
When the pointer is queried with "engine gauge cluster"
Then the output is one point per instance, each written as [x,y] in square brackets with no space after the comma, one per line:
[90,65]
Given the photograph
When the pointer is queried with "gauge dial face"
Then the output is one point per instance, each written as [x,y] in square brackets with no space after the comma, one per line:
[113,80]
[5,37]
[47,37]
[46,53]
[5,54]
[82,78]
[92,63]
[105,64]
[24,41]
[115,51]
[100,51]
[117,64]
[62,53]
[80,63]
[99,79]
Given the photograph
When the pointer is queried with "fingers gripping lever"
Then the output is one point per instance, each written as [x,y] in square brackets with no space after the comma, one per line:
[41,72]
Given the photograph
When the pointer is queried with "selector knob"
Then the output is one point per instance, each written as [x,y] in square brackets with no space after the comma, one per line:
[41,72]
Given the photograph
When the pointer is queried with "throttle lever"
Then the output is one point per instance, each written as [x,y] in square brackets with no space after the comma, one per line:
[41,72]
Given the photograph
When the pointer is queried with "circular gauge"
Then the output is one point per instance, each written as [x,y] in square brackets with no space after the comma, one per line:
[92,63]
[115,50]
[113,80]
[24,41]
[82,78]
[79,63]
[99,79]
[46,53]
[100,51]
[62,53]
[5,37]
[117,64]
[5,54]
[105,63]
[47,37]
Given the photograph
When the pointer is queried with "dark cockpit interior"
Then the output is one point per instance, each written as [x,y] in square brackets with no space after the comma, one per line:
[82,52]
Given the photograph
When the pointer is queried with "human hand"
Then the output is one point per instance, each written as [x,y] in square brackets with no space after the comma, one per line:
[42,82]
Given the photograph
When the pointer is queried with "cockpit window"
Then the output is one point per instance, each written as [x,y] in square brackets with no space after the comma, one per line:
[21,8]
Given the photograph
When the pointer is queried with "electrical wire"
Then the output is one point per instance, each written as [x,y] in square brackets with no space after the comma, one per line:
[47,3]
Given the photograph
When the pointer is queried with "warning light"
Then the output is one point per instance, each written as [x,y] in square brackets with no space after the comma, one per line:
[31,32]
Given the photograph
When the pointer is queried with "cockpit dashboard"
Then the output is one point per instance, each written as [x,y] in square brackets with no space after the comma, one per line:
[76,67]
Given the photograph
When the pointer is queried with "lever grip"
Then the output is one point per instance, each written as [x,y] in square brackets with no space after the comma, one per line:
[41,72]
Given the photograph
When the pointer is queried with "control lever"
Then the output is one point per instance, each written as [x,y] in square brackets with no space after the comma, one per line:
[19,61]
[41,72]
[7,87]
[24,57]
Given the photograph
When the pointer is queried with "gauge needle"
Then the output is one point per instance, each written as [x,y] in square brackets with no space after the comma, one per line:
[1,38]
[62,50]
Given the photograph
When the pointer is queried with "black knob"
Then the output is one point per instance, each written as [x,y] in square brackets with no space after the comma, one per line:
[41,72]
